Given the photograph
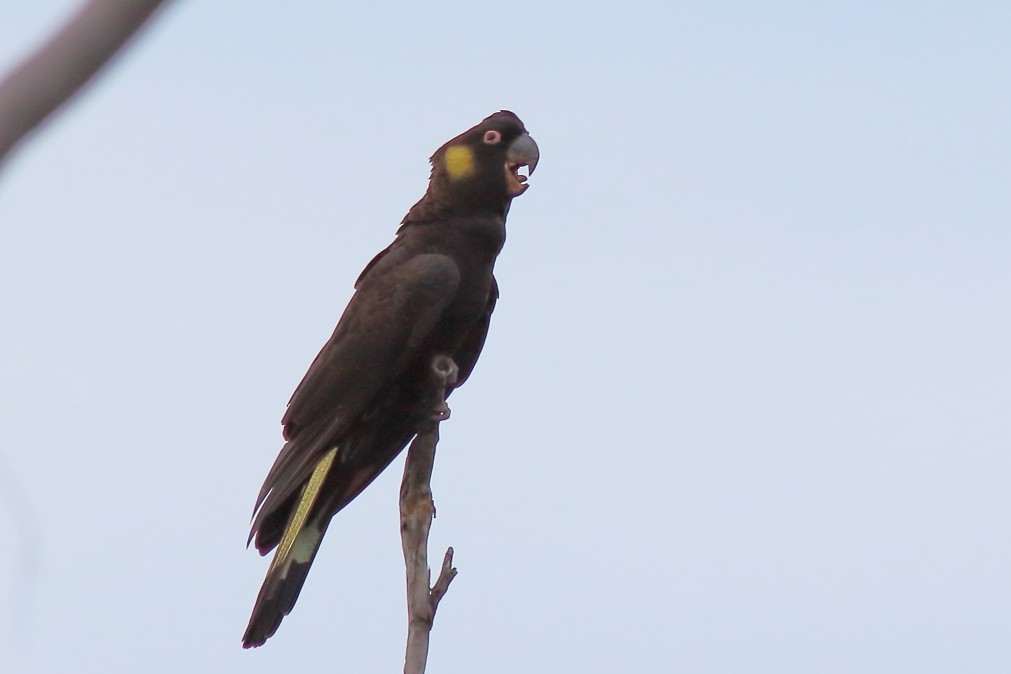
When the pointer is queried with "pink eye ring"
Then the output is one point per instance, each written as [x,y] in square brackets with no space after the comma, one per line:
[492,137]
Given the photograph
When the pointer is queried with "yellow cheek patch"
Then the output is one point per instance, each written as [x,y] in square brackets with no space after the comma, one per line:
[459,162]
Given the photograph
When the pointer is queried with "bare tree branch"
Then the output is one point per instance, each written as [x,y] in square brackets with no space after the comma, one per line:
[49,77]
[416,512]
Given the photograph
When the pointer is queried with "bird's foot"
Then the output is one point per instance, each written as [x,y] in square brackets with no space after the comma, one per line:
[445,370]
[441,412]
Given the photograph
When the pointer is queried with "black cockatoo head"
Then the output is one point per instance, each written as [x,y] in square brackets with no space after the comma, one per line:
[479,171]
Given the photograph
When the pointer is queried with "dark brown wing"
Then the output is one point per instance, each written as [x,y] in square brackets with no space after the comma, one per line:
[394,309]
[376,291]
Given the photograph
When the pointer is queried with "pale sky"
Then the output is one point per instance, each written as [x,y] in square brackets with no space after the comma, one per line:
[745,402]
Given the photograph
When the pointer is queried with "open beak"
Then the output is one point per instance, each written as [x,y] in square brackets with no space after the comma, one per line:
[522,152]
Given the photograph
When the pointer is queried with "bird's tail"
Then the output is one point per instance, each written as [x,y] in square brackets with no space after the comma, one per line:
[294,555]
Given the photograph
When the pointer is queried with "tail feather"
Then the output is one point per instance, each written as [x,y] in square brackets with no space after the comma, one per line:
[290,566]
[296,525]
[283,583]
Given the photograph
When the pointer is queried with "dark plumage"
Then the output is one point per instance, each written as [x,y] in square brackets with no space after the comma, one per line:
[431,292]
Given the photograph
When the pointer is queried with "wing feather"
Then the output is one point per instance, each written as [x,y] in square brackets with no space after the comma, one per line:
[381,331]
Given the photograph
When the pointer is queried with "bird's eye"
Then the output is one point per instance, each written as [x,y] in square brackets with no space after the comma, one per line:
[492,137]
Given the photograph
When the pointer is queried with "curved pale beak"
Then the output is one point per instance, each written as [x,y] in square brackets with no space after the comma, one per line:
[521,152]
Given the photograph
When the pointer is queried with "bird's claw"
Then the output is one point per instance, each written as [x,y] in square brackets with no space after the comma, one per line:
[441,412]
